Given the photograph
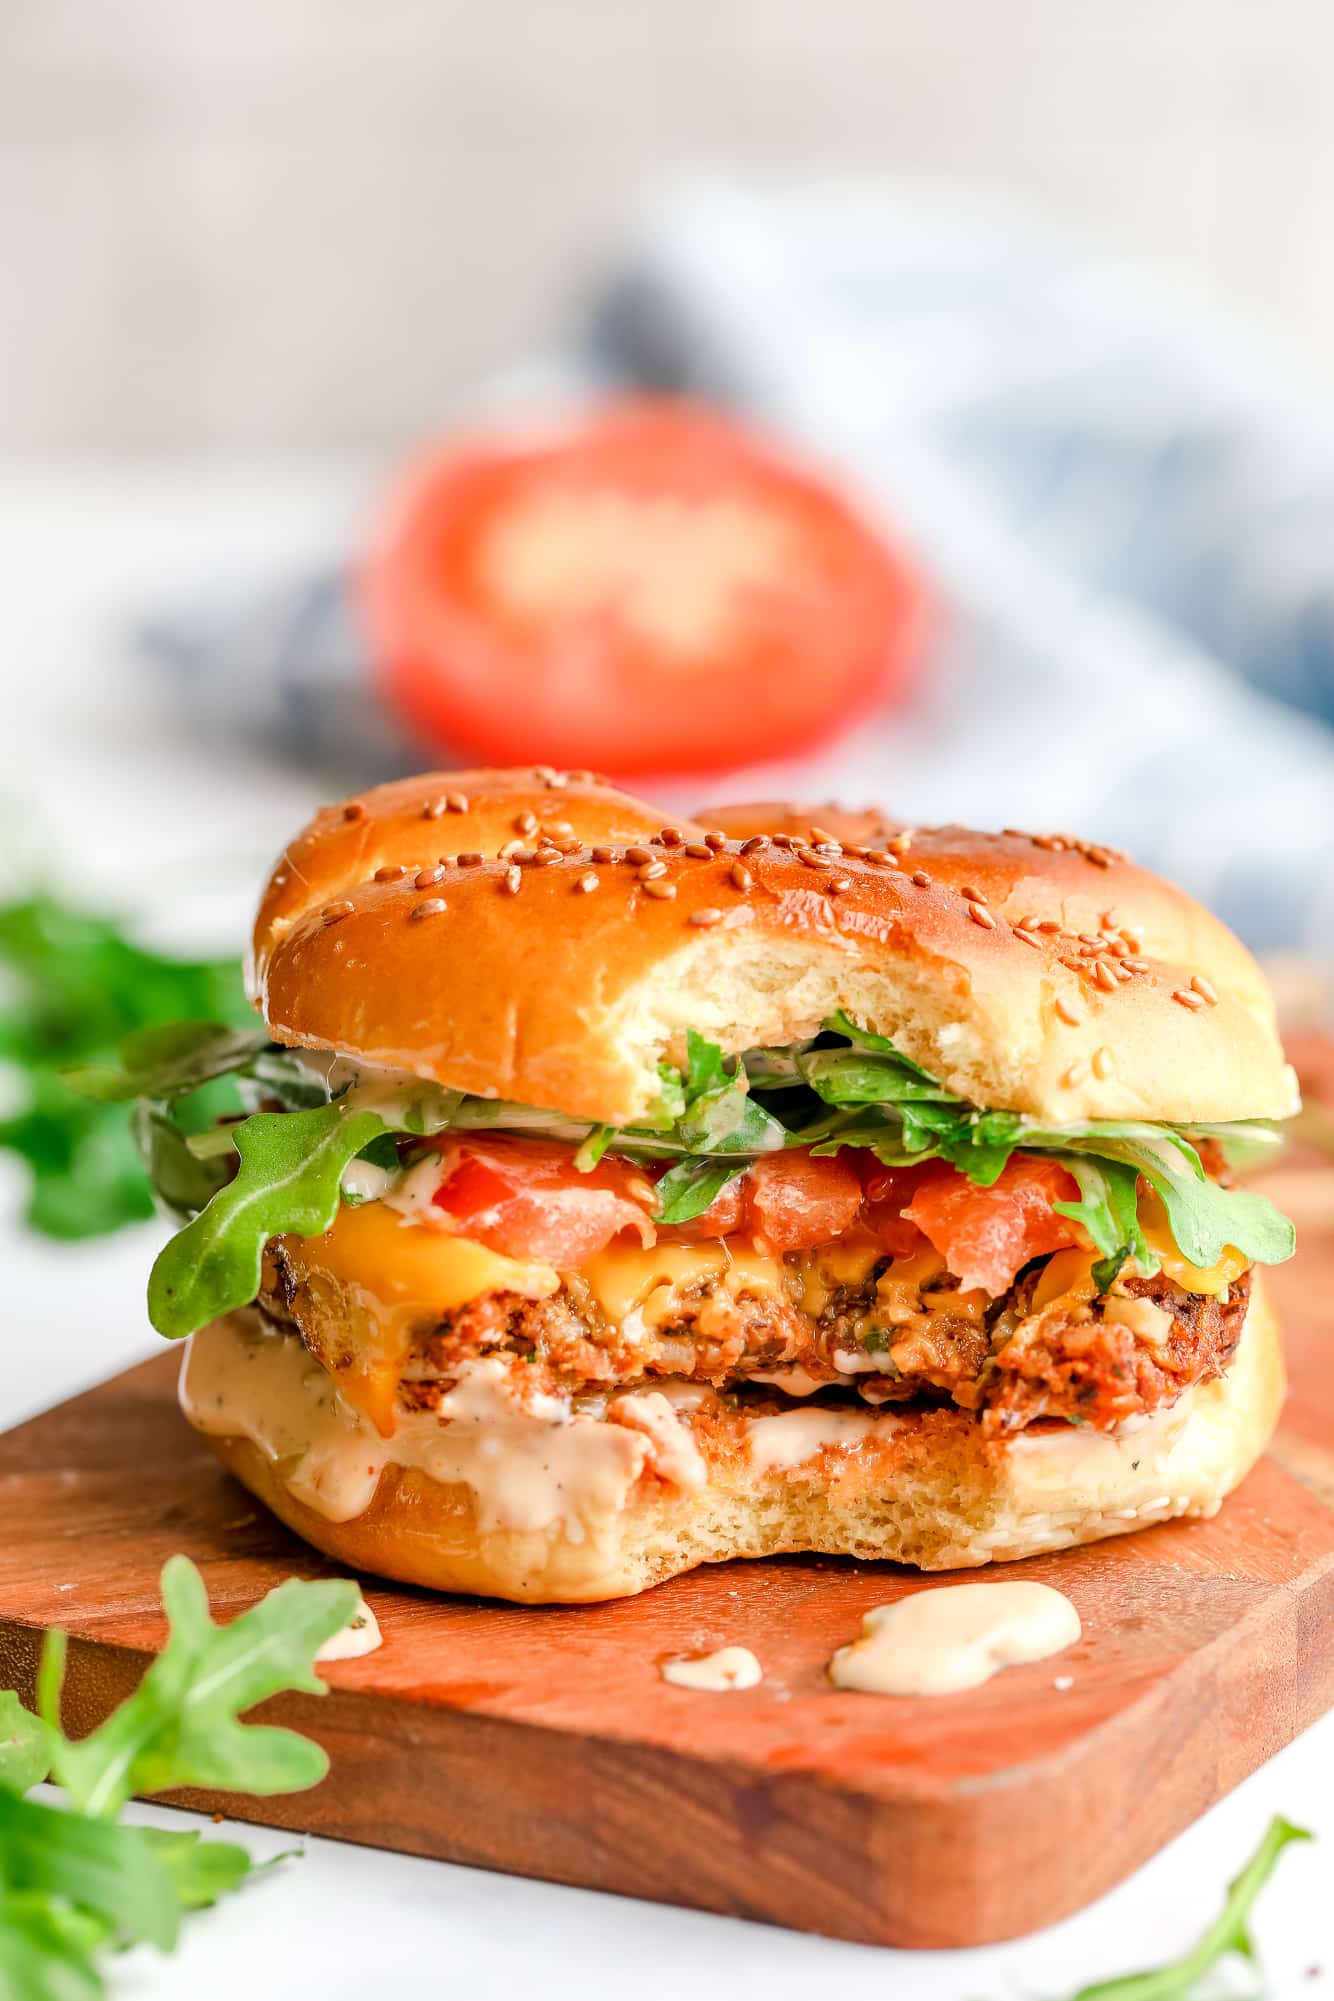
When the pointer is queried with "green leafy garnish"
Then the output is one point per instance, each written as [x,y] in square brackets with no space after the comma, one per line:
[291,1168]
[180,1726]
[74,1881]
[72,987]
[1229,1933]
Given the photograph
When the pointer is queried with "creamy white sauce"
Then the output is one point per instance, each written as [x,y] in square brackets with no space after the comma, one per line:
[1141,1316]
[793,1381]
[777,1444]
[372,1087]
[675,1455]
[363,1181]
[533,1465]
[361,1635]
[715,1674]
[941,1641]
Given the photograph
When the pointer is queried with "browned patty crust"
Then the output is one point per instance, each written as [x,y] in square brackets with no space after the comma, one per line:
[1086,1361]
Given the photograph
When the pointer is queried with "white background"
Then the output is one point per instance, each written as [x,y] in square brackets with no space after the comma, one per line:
[96,782]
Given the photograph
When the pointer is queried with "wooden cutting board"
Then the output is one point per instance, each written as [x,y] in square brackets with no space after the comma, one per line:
[543,1741]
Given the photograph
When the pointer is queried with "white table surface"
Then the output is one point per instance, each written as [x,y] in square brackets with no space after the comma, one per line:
[119,805]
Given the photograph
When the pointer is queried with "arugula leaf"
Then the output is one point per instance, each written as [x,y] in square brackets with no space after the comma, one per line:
[200,1871]
[169,1060]
[1229,1932]
[76,986]
[686,1190]
[46,1949]
[73,1880]
[1108,1208]
[107,1870]
[181,1727]
[288,1181]
[24,1761]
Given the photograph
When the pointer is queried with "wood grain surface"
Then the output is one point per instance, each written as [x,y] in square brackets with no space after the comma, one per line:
[543,1741]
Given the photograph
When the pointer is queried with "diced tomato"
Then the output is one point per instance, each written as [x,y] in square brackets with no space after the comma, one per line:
[647,589]
[986,1235]
[527,1199]
[795,1201]
[887,1191]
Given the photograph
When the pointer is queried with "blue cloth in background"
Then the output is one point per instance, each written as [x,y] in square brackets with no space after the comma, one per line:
[1126,512]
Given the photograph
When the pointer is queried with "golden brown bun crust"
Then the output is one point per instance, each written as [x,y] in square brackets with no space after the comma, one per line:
[562,979]
[870,827]
[941,1499]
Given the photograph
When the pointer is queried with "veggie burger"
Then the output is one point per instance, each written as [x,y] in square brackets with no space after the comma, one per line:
[621,1196]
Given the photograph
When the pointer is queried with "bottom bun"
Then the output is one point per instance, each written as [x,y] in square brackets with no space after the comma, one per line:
[922,1488]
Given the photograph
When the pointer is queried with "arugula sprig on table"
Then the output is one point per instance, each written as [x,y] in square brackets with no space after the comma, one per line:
[1230,1932]
[74,1881]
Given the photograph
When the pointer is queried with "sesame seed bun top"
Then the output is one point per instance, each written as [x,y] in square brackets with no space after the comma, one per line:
[427,926]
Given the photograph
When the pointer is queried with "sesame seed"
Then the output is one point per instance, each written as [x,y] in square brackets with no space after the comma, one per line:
[651,871]
[570,847]
[661,890]
[981,915]
[426,876]
[853,852]
[602,854]
[809,859]
[332,912]
[1068,1012]
[1014,833]
[830,849]
[1102,1062]
[902,841]
[741,876]
[1119,968]
[1206,990]
[671,837]
[1089,938]
[456,802]
[1105,974]
[1049,925]
[432,907]
[699,851]
[508,851]
[354,810]
[714,837]
[1099,857]
[638,855]
[783,840]
[1075,1075]
[1116,948]
[972,895]
[588,881]
[511,880]
[818,835]
[471,860]
[837,884]
[390,872]
[1188,999]
[878,858]
[1133,938]
[1028,938]
[705,919]
[754,844]
[557,830]
[1075,965]
[525,824]
[582,777]
[921,878]
[1109,920]
[434,810]
[542,857]
[1136,965]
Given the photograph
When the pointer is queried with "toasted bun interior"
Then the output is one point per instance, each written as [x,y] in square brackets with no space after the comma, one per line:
[539,1507]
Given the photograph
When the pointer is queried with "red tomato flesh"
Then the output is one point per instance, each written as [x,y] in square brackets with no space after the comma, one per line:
[795,1201]
[527,1199]
[987,1235]
[651,590]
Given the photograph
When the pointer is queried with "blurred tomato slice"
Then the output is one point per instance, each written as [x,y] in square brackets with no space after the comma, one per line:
[651,590]
[795,1201]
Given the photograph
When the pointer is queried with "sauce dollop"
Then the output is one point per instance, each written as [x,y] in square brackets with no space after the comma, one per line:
[955,1637]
